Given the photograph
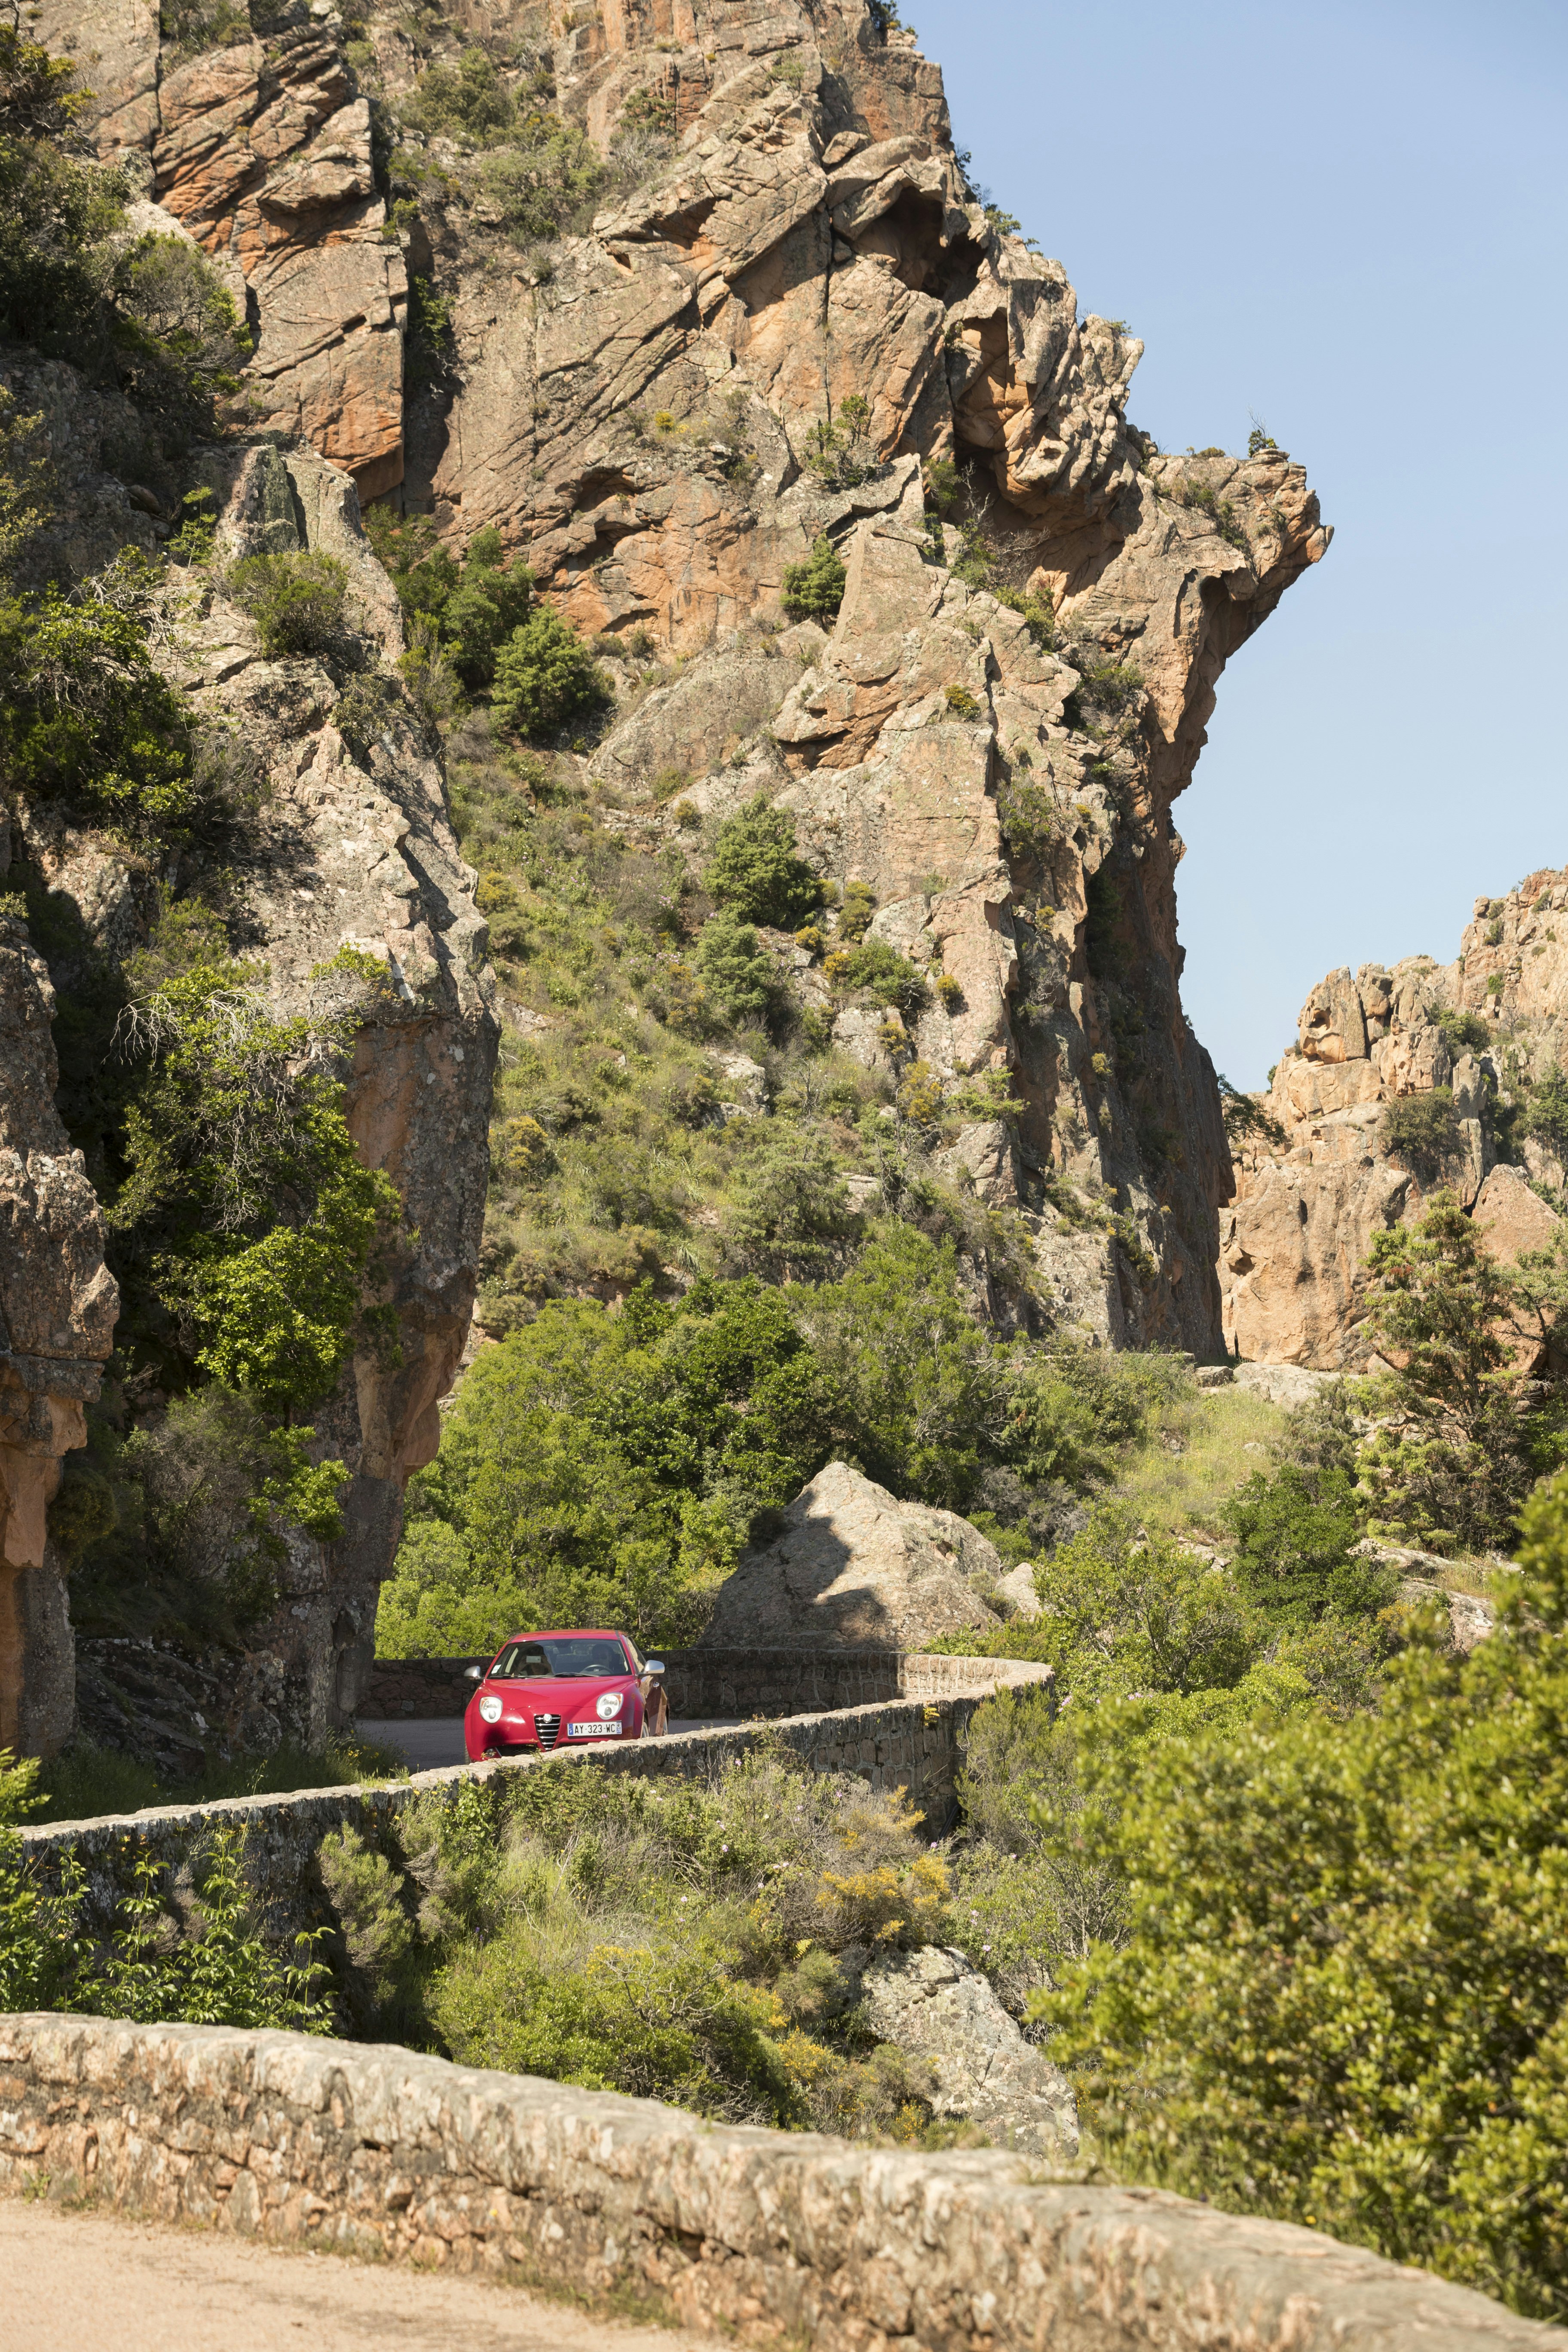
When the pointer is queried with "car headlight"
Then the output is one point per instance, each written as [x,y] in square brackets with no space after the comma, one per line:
[609,1704]
[490,1708]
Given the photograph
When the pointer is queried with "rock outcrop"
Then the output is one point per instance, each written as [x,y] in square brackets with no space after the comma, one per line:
[854,1565]
[1474,1034]
[933,2004]
[57,1306]
[350,846]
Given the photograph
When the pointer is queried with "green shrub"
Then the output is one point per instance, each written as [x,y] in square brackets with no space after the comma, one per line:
[87,720]
[543,179]
[792,1220]
[1451,1461]
[1423,1130]
[468,96]
[1463,1033]
[739,980]
[1295,1531]
[1342,2000]
[246,1199]
[754,870]
[1545,1114]
[296,601]
[842,453]
[891,978]
[813,590]
[545,677]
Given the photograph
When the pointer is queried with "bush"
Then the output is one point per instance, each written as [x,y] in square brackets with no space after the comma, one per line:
[246,1200]
[1424,1132]
[1546,1115]
[1343,1996]
[1463,1033]
[296,601]
[756,871]
[739,980]
[891,978]
[87,720]
[792,1220]
[545,677]
[1295,1532]
[813,590]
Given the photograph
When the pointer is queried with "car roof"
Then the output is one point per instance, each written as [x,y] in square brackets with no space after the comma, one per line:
[571,1634]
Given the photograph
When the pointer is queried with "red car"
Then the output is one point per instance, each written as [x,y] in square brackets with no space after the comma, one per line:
[543,1688]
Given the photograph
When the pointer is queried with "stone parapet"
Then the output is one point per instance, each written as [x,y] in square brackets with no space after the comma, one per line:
[751,1682]
[911,1744]
[762,2236]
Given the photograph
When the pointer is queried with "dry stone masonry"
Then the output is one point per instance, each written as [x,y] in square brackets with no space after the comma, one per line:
[767,2236]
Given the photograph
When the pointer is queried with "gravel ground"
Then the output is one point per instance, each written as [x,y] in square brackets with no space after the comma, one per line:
[85,2278]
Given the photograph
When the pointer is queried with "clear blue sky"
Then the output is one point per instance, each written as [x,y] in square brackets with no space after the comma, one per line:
[1349,220]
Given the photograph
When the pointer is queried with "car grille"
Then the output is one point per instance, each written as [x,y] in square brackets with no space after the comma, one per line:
[548,1726]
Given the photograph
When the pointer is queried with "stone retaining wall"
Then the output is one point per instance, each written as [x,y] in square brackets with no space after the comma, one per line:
[766,2236]
[911,1743]
[717,1682]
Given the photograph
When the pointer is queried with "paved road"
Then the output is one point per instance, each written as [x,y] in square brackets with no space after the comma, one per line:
[134,2286]
[425,1744]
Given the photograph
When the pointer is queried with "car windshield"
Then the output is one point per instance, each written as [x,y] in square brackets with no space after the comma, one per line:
[574,1655]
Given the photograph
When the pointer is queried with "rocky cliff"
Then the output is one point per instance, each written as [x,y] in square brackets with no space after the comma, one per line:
[1465,1045]
[346,847]
[791,320]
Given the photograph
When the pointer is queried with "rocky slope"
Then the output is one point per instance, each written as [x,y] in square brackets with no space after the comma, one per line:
[1482,1031]
[655,407]
[347,848]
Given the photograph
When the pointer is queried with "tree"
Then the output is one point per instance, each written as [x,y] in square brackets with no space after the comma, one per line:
[740,979]
[1424,1131]
[1344,2000]
[1452,1461]
[1546,1115]
[545,677]
[1295,1535]
[754,870]
[813,590]
[793,1220]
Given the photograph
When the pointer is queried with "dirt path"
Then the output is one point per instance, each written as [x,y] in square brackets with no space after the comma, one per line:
[83,2278]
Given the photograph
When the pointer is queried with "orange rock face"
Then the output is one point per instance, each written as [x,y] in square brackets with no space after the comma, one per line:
[1479,1031]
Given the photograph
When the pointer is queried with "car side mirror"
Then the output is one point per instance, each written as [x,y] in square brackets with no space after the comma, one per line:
[473,1673]
[653,1666]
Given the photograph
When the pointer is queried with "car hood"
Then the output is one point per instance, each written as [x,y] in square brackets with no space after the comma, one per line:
[558,1695]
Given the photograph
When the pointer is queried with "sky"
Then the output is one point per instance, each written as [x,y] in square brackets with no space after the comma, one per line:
[1348,222]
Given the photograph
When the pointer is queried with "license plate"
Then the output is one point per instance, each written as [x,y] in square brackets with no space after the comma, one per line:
[593,1731]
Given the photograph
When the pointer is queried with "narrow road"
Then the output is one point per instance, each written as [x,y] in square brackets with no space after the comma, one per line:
[87,2278]
[427,1742]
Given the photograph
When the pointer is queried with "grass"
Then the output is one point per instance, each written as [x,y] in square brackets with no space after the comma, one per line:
[1179,1480]
[85,1783]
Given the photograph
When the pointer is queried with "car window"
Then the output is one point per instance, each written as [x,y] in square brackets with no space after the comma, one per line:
[570,1656]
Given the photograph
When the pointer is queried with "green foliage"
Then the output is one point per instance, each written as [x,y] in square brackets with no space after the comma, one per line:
[1342,1998]
[756,871]
[1034,611]
[1423,1130]
[1451,1460]
[545,677]
[813,590]
[1246,1121]
[148,313]
[1295,1532]
[1463,1033]
[891,978]
[676,1942]
[224,1973]
[246,1202]
[793,1221]
[296,601]
[842,453]
[469,98]
[604,1470]
[87,720]
[739,980]
[1545,1115]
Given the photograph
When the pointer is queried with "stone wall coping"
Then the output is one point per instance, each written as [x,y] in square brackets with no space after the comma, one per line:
[763,2234]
